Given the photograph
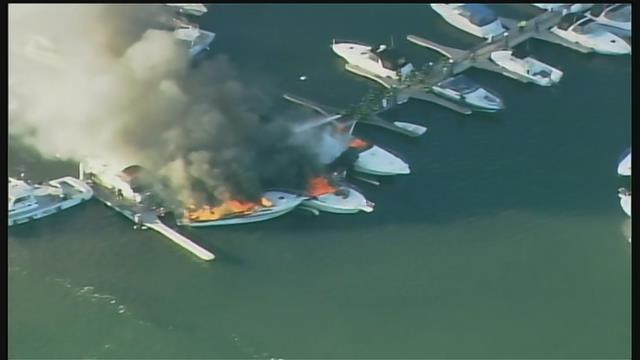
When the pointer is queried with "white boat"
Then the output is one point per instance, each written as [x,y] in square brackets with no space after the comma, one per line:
[272,204]
[197,39]
[476,19]
[624,166]
[336,198]
[461,88]
[375,160]
[110,177]
[625,200]
[30,202]
[585,31]
[528,67]
[414,128]
[565,8]
[614,15]
[193,9]
[382,61]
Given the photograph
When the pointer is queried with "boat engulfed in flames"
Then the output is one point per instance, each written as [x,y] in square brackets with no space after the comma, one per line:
[339,199]
[271,205]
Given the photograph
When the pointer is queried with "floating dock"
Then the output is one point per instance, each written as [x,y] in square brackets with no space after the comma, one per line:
[371,119]
[461,60]
[406,92]
[148,218]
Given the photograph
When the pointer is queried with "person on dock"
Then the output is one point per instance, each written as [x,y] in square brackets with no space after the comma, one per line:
[522,25]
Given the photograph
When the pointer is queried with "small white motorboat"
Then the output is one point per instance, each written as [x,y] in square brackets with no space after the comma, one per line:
[375,160]
[585,31]
[336,198]
[624,165]
[534,70]
[30,202]
[414,128]
[461,88]
[193,9]
[197,39]
[381,61]
[614,15]
[625,200]
[271,205]
[476,19]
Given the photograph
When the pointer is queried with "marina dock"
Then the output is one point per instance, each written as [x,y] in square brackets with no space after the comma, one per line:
[418,86]
[461,60]
[148,218]
[370,119]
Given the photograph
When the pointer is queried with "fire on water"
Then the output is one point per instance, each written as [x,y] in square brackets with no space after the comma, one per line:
[226,209]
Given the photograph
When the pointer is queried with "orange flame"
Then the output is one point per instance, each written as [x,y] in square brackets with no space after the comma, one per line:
[358,143]
[226,209]
[320,186]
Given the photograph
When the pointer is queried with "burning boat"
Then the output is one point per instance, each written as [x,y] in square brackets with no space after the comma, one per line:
[339,199]
[375,160]
[124,192]
[271,205]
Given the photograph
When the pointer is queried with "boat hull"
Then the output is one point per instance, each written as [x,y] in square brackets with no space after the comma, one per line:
[238,220]
[84,193]
[625,203]
[449,15]
[377,161]
[282,204]
[624,167]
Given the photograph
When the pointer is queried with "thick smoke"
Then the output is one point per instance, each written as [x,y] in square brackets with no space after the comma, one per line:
[94,81]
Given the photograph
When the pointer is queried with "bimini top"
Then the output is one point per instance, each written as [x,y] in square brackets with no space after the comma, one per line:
[460,83]
[479,15]
[392,59]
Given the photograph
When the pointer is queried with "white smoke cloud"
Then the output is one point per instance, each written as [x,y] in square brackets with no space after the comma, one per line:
[94,81]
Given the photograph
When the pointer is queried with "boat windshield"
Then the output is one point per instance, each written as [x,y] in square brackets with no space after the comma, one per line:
[461,84]
[477,14]
[584,27]
[597,9]
[619,12]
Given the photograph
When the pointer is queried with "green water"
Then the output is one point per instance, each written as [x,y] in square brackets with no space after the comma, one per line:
[506,241]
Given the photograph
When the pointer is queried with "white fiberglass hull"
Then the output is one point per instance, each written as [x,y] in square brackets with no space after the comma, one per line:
[625,203]
[624,167]
[450,15]
[332,203]
[83,194]
[626,26]
[282,204]
[477,99]
[528,68]
[377,161]
[358,55]
[603,42]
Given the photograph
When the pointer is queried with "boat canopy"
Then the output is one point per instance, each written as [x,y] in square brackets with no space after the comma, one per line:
[478,14]
[460,83]
[569,19]
[392,59]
